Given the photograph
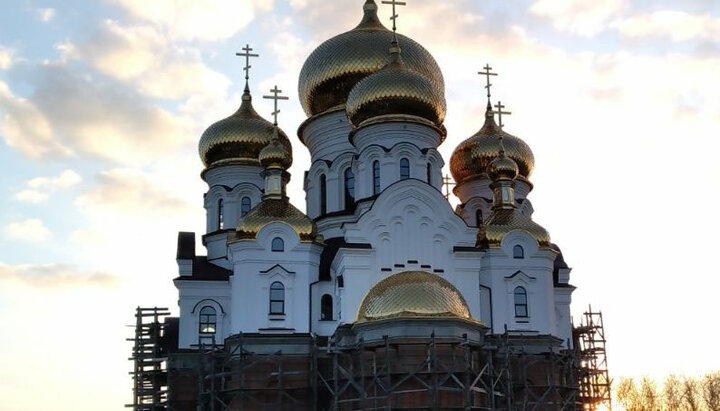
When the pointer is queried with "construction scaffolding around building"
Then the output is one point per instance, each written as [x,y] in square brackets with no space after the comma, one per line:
[149,373]
[503,372]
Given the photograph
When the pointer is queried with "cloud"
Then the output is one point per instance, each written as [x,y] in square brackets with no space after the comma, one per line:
[205,20]
[675,25]
[31,230]
[7,57]
[143,56]
[46,14]
[71,113]
[39,189]
[582,17]
[55,276]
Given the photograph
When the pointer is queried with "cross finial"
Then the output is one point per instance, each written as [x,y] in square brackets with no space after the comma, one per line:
[499,106]
[394,12]
[276,97]
[247,54]
[487,73]
[447,182]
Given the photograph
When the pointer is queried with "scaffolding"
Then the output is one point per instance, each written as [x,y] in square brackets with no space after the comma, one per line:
[149,363]
[594,377]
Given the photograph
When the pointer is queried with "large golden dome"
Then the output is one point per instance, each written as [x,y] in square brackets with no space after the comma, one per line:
[472,157]
[333,69]
[413,294]
[396,89]
[239,138]
[276,154]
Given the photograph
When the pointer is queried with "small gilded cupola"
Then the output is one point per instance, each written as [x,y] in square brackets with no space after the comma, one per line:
[505,217]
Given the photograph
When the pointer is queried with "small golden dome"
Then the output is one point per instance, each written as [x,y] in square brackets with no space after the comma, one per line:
[503,168]
[396,89]
[239,138]
[472,157]
[272,210]
[413,294]
[276,155]
[333,69]
[504,221]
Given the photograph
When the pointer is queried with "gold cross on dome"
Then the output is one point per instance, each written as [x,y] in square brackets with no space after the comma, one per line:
[247,54]
[276,97]
[499,106]
[487,73]
[395,15]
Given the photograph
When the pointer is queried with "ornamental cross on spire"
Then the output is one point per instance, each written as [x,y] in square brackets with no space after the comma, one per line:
[487,73]
[276,97]
[247,54]
[499,106]
[395,15]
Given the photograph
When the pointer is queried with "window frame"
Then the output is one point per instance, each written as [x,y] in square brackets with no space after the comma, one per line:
[523,304]
[404,166]
[277,286]
[277,241]
[210,321]
[243,205]
[323,194]
[221,214]
[376,177]
[349,187]
[479,218]
[429,173]
[518,252]
[325,306]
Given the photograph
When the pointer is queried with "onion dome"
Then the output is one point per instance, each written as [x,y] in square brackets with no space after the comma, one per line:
[272,210]
[238,139]
[504,221]
[502,168]
[275,155]
[396,90]
[472,157]
[338,64]
[413,294]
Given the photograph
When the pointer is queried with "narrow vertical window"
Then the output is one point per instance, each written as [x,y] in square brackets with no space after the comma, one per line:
[245,206]
[349,188]
[518,252]
[278,245]
[208,320]
[221,216]
[277,298]
[323,195]
[478,218]
[521,306]
[429,173]
[404,168]
[326,308]
[376,177]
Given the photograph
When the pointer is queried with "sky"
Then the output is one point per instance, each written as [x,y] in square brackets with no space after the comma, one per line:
[102,104]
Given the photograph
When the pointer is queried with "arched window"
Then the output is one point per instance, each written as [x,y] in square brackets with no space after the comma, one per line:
[349,188]
[221,217]
[376,177]
[326,308]
[208,320]
[518,252]
[521,306]
[323,195]
[404,168]
[245,206]
[278,245]
[479,218]
[429,173]
[277,298]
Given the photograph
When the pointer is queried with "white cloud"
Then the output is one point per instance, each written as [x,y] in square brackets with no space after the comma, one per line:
[206,20]
[582,17]
[39,189]
[55,276]
[46,14]
[7,57]
[675,25]
[31,230]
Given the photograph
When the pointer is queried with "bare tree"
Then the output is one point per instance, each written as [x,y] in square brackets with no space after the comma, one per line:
[628,395]
[649,398]
[691,398]
[711,391]
[672,393]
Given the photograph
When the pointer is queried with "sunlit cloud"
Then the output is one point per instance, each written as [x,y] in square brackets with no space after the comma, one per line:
[46,15]
[32,230]
[39,189]
[7,57]
[674,25]
[54,276]
[582,17]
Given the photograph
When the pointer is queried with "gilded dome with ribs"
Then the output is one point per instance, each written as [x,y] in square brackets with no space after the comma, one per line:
[338,64]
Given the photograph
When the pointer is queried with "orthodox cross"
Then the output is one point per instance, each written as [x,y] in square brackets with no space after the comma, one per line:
[276,97]
[499,106]
[247,54]
[487,73]
[395,15]
[447,182]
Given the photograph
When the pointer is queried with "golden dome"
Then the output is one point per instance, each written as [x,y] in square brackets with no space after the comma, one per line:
[502,168]
[239,138]
[276,155]
[413,294]
[396,89]
[472,157]
[504,221]
[272,210]
[333,69]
